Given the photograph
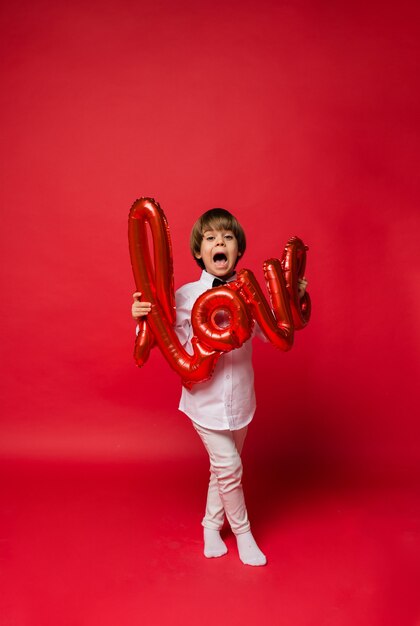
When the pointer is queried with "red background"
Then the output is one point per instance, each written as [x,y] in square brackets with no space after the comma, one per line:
[300,118]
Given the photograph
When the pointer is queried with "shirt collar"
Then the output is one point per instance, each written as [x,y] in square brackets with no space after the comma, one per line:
[208,279]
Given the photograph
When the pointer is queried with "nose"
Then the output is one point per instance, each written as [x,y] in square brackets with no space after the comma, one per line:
[220,240]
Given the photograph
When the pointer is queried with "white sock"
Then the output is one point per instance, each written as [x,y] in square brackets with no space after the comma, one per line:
[249,552]
[213,543]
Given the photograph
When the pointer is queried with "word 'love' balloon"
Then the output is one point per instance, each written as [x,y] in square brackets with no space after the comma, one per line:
[242,299]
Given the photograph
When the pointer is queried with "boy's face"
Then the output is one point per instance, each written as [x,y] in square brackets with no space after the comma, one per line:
[219,252]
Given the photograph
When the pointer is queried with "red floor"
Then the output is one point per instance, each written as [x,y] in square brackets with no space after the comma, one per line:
[120,545]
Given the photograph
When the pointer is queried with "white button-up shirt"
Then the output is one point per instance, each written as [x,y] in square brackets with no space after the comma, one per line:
[227,400]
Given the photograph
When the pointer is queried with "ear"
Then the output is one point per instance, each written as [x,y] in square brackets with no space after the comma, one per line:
[239,253]
[197,255]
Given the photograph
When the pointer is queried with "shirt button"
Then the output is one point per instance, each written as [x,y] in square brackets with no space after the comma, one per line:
[227,377]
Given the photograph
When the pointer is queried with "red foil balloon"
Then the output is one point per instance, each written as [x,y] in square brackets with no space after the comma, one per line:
[219,335]
[222,318]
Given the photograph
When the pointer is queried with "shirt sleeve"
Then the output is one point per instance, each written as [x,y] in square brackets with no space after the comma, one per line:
[183,326]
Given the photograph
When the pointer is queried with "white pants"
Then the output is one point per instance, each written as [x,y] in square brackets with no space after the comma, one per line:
[225,493]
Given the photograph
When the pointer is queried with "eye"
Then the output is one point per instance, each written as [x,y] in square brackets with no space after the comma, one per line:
[209,237]
[229,237]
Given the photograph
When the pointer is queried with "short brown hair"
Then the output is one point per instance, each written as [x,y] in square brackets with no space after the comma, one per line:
[216,219]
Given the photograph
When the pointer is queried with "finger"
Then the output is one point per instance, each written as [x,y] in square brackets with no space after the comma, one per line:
[140,311]
[137,295]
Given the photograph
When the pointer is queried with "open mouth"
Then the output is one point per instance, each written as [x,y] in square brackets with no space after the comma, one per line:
[220,259]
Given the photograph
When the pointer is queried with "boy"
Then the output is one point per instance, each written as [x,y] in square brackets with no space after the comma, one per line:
[221,408]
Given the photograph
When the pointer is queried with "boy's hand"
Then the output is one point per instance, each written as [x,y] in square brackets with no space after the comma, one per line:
[139,309]
[302,283]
